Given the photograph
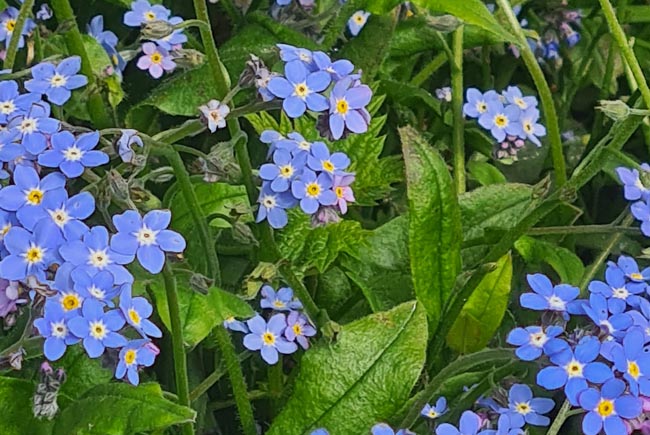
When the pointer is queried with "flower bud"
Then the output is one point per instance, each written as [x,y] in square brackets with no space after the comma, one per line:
[614,109]
[443,23]
[156,29]
[187,57]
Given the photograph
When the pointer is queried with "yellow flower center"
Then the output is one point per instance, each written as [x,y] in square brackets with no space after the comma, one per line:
[359,19]
[149,16]
[286,171]
[268,338]
[432,413]
[130,356]
[35,196]
[523,408]
[605,408]
[297,329]
[528,127]
[70,302]
[278,303]
[521,103]
[574,369]
[156,58]
[342,106]
[10,25]
[5,230]
[636,275]
[34,255]
[98,259]
[328,166]
[501,121]
[301,90]
[57,80]
[313,189]
[134,316]
[481,107]
[98,330]
[633,369]
[339,191]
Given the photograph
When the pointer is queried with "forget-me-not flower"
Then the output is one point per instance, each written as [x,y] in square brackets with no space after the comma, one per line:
[134,354]
[607,408]
[433,412]
[72,155]
[545,296]
[283,170]
[273,206]
[300,89]
[57,82]
[347,108]
[156,60]
[143,12]
[535,340]
[34,127]
[53,326]
[268,338]
[313,191]
[357,21]
[97,329]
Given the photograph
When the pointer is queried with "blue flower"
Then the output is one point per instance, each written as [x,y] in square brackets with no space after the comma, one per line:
[7,220]
[96,30]
[8,21]
[26,195]
[273,206]
[598,311]
[534,340]
[572,369]
[69,300]
[470,423]
[29,253]
[548,297]
[299,328]
[12,103]
[313,191]
[632,360]
[44,13]
[100,287]
[320,159]
[641,211]
[631,269]
[320,432]
[137,311]
[384,429]
[235,325]
[281,301]
[523,407]
[143,12]
[289,53]
[97,328]
[268,337]
[125,143]
[73,156]
[146,237]
[506,425]
[357,21]
[347,108]
[478,103]
[92,254]
[34,127]
[617,290]
[514,96]
[53,326]
[65,214]
[338,69]
[300,89]
[283,170]
[501,120]
[57,82]
[436,411]
[530,128]
[634,188]
[134,354]
[607,408]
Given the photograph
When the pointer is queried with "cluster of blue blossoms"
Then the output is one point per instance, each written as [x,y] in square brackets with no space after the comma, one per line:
[281,332]
[157,53]
[635,182]
[8,21]
[510,117]
[48,254]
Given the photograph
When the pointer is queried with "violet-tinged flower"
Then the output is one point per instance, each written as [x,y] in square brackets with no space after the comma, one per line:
[299,329]
[534,340]
[313,191]
[470,423]
[143,12]
[9,297]
[433,412]
[93,254]
[235,325]
[607,408]
[357,21]
[175,39]
[268,338]
[513,95]
[523,407]
[44,13]
[347,108]
[478,103]
[8,21]
[214,113]
[72,155]
[155,59]
[338,69]
[53,326]
[96,30]
[65,214]
[548,297]
[444,94]
[262,80]
[26,195]
[12,103]
[320,159]
[34,127]
[101,286]
[281,301]
[283,170]
[57,82]
[125,143]
[641,211]
[146,237]
[384,429]
[300,88]
[134,354]
[273,206]
[617,290]
[530,128]
[137,311]
[344,194]
[97,329]
[631,178]
[501,121]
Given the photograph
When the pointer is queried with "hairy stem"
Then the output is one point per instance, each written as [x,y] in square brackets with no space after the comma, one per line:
[458,138]
[545,96]
[561,417]
[25,10]
[433,66]
[222,80]
[180,361]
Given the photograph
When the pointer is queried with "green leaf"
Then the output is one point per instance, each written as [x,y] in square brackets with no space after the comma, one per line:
[16,409]
[409,95]
[383,271]
[349,386]
[121,409]
[485,173]
[484,310]
[567,264]
[82,373]
[199,313]
[434,224]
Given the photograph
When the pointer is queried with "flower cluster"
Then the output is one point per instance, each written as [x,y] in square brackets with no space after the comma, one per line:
[634,183]
[306,174]
[281,332]
[510,117]
[48,253]
[603,367]
[561,25]
[307,76]
[8,21]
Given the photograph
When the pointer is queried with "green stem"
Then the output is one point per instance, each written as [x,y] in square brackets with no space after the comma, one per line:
[545,96]
[457,109]
[276,381]
[582,229]
[628,54]
[180,361]
[433,66]
[560,418]
[253,395]
[213,378]
[219,72]
[73,39]
[25,10]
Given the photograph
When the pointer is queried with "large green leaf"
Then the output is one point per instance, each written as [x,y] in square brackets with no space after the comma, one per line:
[364,378]
[82,373]
[383,272]
[16,409]
[200,313]
[434,224]
[483,312]
[567,264]
[120,409]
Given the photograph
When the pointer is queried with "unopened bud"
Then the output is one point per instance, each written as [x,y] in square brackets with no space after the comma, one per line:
[614,109]
[187,57]
[16,359]
[118,186]
[157,29]
[443,23]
